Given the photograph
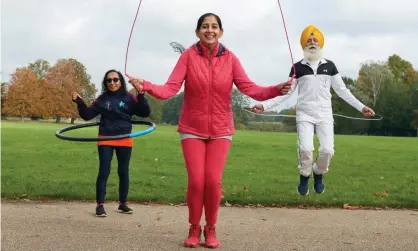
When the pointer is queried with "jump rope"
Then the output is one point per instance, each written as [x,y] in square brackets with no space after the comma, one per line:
[129,40]
[249,111]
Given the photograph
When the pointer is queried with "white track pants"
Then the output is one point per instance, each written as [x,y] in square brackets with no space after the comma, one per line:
[325,134]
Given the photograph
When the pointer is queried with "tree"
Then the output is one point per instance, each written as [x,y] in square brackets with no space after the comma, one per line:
[414,103]
[289,121]
[396,109]
[83,80]
[40,67]
[414,123]
[4,89]
[403,72]
[62,80]
[23,94]
[239,101]
[401,69]
[65,77]
[372,76]
[339,106]
[398,100]
[156,108]
[172,108]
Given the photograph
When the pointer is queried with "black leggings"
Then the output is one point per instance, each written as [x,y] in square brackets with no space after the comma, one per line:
[123,155]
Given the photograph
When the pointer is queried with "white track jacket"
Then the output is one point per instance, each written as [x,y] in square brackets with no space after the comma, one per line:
[314,82]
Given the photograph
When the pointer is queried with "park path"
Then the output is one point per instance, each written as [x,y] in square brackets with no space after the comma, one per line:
[29,225]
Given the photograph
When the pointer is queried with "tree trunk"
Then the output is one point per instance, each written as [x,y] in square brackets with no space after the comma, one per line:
[72,120]
[58,119]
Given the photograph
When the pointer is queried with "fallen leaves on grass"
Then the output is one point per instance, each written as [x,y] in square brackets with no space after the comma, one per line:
[347,206]
[382,194]
[249,196]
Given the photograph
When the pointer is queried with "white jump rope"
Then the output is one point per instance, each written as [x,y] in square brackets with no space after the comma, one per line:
[294,116]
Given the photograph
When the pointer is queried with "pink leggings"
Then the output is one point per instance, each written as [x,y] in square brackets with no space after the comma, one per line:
[205,161]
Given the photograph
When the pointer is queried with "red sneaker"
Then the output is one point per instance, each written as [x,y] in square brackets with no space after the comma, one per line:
[194,236]
[210,237]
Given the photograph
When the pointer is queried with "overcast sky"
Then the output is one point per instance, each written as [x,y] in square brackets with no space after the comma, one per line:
[96,33]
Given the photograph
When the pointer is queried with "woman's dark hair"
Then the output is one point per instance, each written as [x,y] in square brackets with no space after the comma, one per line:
[121,79]
[202,18]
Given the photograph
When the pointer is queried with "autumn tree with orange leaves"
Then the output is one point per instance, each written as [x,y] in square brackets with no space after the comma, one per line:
[23,95]
[40,90]
[61,81]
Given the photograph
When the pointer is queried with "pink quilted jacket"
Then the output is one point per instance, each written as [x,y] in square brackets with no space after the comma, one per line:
[207,108]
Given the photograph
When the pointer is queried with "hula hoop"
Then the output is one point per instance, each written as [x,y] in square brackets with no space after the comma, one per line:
[59,135]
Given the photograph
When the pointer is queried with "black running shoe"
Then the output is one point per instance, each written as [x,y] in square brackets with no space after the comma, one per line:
[100,212]
[123,208]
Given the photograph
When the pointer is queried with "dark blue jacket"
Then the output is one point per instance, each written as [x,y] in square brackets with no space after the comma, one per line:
[116,110]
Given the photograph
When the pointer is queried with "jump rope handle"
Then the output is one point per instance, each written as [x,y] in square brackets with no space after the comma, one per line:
[292,78]
[129,76]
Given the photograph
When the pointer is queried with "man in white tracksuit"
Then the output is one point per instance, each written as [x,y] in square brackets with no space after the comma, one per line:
[315,76]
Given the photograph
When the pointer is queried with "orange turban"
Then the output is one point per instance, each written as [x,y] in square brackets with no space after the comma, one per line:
[311,30]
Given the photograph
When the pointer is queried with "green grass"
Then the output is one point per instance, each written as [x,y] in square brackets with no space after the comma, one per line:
[261,168]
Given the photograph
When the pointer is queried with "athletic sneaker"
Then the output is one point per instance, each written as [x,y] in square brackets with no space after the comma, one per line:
[193,240]
[210,237]
[318,185]
[100,212]
[123,208]
[303,187]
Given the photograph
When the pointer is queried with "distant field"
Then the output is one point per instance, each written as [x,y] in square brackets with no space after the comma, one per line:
[261,169]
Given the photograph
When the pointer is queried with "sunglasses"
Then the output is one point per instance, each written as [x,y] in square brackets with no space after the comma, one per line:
[109,80]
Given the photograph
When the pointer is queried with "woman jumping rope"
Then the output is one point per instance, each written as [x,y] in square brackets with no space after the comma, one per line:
[206,125]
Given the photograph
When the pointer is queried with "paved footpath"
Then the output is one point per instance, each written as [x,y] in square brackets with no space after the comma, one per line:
[73,226]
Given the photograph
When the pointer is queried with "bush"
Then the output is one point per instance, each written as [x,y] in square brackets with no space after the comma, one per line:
[266,127]
[240,126]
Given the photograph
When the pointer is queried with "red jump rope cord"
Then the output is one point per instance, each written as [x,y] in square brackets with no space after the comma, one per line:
[284,24]
[129,41]
[287,37]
